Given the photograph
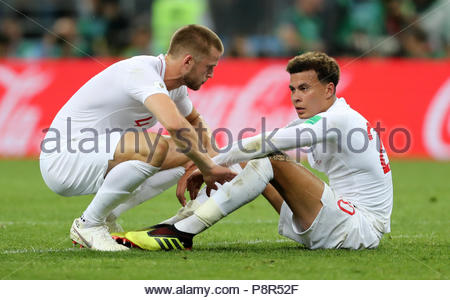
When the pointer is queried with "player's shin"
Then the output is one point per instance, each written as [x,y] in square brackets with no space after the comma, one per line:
[117,187]
[242,189]
[149,189]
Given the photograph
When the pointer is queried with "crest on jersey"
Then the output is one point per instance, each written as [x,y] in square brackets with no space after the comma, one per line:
[158,84]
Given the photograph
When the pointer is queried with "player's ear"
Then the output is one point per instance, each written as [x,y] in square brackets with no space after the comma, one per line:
[188,60]
[187,63]
[330,89]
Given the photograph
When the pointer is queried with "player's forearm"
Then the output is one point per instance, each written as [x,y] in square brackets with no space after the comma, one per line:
[181,131]
[206,141]
[187,142]
[269,142]
[243,150]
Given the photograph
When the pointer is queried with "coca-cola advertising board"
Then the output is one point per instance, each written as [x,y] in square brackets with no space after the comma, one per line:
[407,101]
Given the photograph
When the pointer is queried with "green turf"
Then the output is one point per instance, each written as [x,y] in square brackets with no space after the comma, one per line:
[34,242]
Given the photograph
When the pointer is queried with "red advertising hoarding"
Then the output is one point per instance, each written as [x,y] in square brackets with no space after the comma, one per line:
[409,99]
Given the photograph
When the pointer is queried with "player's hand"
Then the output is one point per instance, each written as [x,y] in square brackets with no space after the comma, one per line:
[217,174]
[194,183]
[182,183]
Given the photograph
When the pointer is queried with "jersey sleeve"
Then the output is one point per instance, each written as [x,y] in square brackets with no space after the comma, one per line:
[312,131]
[141,82]
[182,101]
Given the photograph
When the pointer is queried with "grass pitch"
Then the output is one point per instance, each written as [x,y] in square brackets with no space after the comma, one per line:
[35,244]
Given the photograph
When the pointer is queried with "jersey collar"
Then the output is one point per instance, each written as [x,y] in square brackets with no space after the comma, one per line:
[339,102]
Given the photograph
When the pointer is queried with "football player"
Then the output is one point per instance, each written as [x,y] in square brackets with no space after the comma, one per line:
[352,211]
[98,143]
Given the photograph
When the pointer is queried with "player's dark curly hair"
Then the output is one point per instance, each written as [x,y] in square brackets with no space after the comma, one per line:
[326,67]
[194,39]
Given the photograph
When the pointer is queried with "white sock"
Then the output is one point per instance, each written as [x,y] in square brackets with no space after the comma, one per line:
[149,189]
[242,189]
[118,185]
[192,205]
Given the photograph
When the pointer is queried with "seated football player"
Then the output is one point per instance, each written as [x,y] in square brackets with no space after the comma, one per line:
[352,211]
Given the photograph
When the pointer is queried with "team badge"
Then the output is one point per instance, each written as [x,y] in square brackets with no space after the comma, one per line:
[158,84]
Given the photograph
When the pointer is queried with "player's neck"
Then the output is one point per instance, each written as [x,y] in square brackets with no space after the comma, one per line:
[330,103]
[172,76]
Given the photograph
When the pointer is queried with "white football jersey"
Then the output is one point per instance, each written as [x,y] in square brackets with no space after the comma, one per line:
[114,98]
[341,144]
[359,171]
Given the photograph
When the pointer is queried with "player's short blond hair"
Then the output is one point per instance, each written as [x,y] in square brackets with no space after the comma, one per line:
[327,69]
[193,39]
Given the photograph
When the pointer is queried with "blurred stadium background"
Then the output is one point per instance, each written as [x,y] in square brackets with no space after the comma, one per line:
[394,56]
[249,28]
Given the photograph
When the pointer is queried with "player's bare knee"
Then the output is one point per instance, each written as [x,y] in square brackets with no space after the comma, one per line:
[276,163]
[279,157]
[280,160]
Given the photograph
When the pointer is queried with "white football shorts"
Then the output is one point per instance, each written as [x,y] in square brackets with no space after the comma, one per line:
[78,173]
[339,224]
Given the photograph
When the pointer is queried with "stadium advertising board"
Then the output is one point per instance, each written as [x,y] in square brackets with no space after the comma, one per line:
[408,101]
